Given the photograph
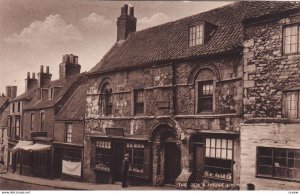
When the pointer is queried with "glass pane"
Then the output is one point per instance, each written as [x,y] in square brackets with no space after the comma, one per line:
[293,48]
[207,152]
[213,143]
[287,31]
[297,164]
[265,161]
[291,153]
[297,154]
[297,174]
[287,48]
[264,170]
[229,154]
[294,30]
[212,153]
[224,143]
[291,163]
[218,153]
[223,153]
[229,144]
[218,143]
[207,142]
[265,151]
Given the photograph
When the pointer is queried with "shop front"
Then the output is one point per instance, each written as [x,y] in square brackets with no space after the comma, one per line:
[67,164]
[213,157]
[109,153]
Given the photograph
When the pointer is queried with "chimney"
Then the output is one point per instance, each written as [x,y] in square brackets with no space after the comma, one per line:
[30,82]
[126,23]
[11,91]
[69,66]
[44,78]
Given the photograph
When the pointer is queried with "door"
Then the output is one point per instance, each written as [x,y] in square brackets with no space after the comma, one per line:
[198,162]
[117,158]
[172,162]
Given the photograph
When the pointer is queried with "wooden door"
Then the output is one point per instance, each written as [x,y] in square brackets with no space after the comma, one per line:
[198,162]
[117,159]
[172,167]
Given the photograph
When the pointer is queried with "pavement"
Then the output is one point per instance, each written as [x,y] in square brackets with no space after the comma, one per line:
[72,185]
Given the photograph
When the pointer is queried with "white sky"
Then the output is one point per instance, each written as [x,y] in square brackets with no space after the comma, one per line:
[40,32]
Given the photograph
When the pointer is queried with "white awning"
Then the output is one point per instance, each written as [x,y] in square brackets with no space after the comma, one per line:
[21,144]
[37,147]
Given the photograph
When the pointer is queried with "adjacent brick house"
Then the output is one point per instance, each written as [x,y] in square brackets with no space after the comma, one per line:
[270,146]
[44,99]
[68,145]
[171,97]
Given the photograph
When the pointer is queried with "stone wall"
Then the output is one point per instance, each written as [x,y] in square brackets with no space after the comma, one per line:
[267,70]
[269,135]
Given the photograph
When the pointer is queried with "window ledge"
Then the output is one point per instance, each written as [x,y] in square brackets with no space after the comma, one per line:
[207,116]
[277,178]
[272,120]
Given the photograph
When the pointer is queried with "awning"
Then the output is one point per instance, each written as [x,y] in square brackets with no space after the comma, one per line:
[21,144]
[37,147]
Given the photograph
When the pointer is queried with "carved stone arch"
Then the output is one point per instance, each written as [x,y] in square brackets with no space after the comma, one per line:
[159,129]
[208,65]
[104,81]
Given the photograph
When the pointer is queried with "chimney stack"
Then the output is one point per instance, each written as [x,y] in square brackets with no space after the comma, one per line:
[44,78]
[11,91]
[69,66]
[30,82]
[126,23]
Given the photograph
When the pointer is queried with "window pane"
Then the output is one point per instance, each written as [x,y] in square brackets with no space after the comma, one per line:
[207,152]
[265,170]
[212,152]
[265,161]
[224,143]
[218,145]
[213,143]
[229,144]
[229,154]
[223,153]
[218,153]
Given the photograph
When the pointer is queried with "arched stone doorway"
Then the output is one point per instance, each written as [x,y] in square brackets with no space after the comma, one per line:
[166,155]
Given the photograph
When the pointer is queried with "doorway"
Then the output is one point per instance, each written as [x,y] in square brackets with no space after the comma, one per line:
[117,158]
[172,162]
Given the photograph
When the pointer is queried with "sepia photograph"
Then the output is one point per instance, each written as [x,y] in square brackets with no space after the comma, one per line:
[149,95]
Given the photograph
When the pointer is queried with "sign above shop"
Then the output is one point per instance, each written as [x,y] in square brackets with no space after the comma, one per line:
[119,132]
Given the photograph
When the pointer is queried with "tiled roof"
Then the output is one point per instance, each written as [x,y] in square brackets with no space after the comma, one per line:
[74,108]
[262,8]
[169,41]
[65,85]
[26,95]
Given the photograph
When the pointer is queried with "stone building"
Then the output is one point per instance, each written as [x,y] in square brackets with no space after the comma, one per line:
[42,101]
[171,97]
[270,146]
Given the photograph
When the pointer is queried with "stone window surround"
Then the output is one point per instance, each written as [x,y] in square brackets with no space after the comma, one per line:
[297,41]
[105,94]
[134,102]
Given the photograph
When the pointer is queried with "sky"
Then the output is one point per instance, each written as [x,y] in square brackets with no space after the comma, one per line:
[40,32]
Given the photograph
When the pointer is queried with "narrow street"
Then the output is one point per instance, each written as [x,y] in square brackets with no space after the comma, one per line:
[6,184]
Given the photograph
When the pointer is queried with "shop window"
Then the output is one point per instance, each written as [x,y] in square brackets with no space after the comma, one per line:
[136,157]
[72,155]
[279,163]
[31,121]
[218,159]
[196,35]
[68,136]
[291,105]
[103,155]
[291,40]
[205,96]
[17,127]
[40,158]
[106,99]
[139,101]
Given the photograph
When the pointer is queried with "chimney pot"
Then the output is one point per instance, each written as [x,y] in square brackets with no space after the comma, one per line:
[123,11]
[71,58]
[126,9]
[42,69]
[131,11]
[33,75]
[47,69]
[28,75]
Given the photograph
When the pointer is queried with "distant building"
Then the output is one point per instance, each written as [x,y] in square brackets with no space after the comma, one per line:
[4,112]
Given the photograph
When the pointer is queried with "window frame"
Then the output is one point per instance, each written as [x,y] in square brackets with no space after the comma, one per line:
[42,121]
[286,167]
[199,87]
[106,97]
[32,118]
[17,127]
[194,41]
[297,41]
[103,149]
[131,148]
[68,135]
[285,111]
[137,104]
